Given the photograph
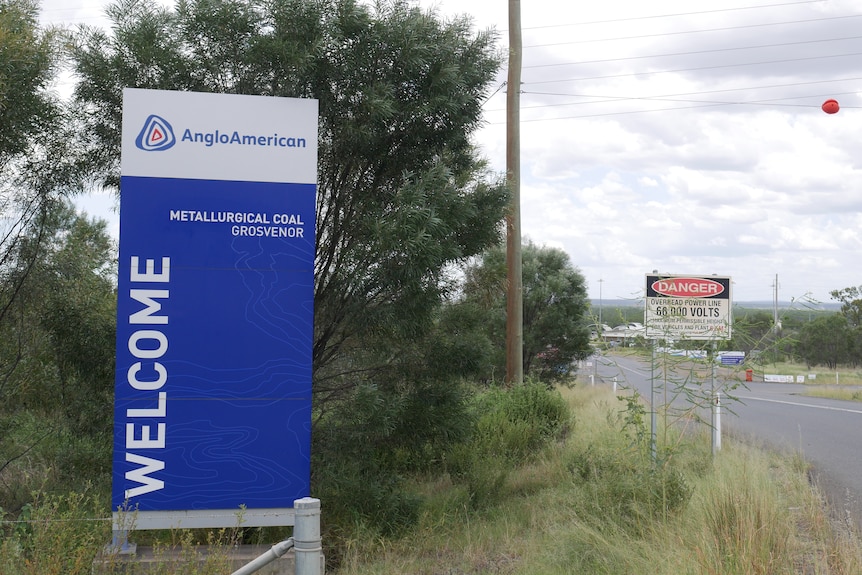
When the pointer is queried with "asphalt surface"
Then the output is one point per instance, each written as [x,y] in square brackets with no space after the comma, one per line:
[827,433]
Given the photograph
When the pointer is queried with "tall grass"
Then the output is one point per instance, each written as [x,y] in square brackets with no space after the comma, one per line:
[597,504]
[512,426]
[835,392]
[744,526]
[549,493]
[54,536]
[68,535]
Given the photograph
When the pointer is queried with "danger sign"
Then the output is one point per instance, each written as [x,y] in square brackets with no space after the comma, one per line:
[687,307]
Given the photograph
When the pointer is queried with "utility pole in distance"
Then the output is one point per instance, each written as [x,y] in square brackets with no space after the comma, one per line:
[600,303]
[515,289]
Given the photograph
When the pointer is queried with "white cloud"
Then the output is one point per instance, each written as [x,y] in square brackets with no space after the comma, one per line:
[692,143]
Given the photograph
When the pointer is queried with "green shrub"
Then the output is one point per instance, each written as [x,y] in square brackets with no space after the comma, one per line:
[368,443]
[512,426]
[483,476]
[56,536]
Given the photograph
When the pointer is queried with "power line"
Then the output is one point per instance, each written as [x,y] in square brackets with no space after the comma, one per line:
[677,94]
[672,98]
[718,91]
[713,50]
[696,93]
[494,93]
[746,88]
[673,109]
[685,70]
[633,18]
[723,29]
[715,67]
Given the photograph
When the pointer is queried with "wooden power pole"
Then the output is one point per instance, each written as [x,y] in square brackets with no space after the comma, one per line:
[515,290]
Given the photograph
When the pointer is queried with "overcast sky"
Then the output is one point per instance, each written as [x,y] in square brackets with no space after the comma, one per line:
[668,136]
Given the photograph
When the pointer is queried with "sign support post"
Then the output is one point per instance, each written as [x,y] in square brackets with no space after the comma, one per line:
[653,416]
[682,307]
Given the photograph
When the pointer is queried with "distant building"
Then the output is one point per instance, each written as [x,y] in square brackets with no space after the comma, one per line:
[624,334]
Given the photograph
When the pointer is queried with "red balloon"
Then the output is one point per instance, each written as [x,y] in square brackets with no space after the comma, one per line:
[830,106]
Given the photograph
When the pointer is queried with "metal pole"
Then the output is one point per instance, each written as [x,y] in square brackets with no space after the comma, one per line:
[652,440]
[514,293]
[714,399]
[600,303]
[123,524]
[277,550]
[716,431]
[120,543]
[306,536]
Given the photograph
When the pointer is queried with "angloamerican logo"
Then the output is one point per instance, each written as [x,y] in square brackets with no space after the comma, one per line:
[156,135]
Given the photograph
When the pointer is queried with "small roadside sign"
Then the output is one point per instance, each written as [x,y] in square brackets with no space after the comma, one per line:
[732,358]
[687,307]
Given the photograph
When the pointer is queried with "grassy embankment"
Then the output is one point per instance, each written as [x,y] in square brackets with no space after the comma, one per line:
[590,503]
[593,504]
[844,383]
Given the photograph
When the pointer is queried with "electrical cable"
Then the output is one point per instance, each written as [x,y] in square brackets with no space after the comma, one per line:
[715,50]
[633,18]
[723,29]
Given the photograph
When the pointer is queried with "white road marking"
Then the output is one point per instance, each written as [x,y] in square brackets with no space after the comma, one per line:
[827,407]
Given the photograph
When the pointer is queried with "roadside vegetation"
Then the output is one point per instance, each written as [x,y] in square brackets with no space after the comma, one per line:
[836,392]
[819,377]
[424,460]
[594,502]
[550,481]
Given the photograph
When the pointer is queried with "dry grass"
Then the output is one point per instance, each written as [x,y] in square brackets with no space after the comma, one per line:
[836,392]
[591,504]
[821,374]
[750,513]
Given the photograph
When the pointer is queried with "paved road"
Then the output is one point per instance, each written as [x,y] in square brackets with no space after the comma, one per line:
[827,432]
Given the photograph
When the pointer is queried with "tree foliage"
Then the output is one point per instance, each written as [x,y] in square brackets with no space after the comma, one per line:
[56,353]
[851,304]
[752,330]
[28,56]
[401,192]
[29,59]
[827,340]
[56,321]
[556,327]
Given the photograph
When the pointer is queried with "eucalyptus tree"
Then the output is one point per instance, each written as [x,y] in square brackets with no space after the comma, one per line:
[556,327]
[403,196]
[851,304]
[826,340]
[752,329]
[31,148]
[29,57]
[402,192]
[28,113]
[57,347]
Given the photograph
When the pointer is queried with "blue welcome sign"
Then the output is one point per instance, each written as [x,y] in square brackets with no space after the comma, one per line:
[215,308]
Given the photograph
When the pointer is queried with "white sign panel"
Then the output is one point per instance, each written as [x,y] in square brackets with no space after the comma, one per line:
[687,307]
[191,135]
